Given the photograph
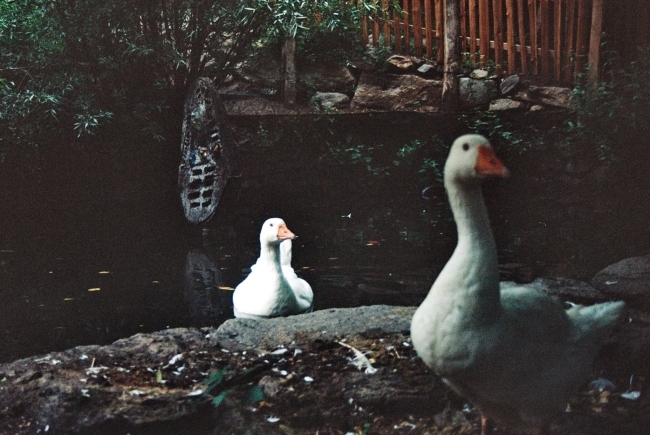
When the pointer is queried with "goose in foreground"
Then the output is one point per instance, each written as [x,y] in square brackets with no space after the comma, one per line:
[267,291]
[515,353]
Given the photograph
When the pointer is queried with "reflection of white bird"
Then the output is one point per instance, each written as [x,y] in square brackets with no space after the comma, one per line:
[514,352]
[270,290]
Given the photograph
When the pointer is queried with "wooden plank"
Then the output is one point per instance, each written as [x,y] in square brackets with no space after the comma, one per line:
[594,39]
[463,26]
[428,27]
[397,28]
[417,26]
[364,31]
[407,28]
[497,18]
[522,35]
[450,81]
[440,24]
[581,37]
[557,40]
[569,40]
[532,18]
[472,31]
[375,32]
[510,12]
[484,31]
[384,9]
[544,35]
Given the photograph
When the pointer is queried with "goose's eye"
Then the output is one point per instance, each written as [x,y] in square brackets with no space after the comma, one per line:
[465,147]
[270,225]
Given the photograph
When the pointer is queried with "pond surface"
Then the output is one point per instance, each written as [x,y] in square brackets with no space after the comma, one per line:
[94,246]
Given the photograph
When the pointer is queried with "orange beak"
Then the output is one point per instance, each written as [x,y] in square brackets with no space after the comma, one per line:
[284,233]
[488,164]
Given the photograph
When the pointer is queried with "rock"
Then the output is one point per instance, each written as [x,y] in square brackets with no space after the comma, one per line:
[330,100]
[324,324]
[326,78]
[628,280]
[479,74]
[536,108]
[506,105]
[549,95]
[509,84]
[475,93]
[397,64]
[427,70]
[396,92]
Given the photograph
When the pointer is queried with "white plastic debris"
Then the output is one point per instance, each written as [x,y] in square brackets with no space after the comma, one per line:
[194,393]
[360,361]
[283,372]
[631,395]
[85,393]
[273,419]
[95,370]
[47,428]
[175,359]
[308,379]
[601,384]
[296,351]
[280,351]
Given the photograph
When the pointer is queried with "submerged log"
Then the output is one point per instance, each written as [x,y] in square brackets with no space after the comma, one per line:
[204,167]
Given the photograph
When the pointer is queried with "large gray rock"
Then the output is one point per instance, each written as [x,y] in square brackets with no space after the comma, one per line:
[506,105]
[628,280]
[396,92]
[550,95]
[476,93]
[330,100]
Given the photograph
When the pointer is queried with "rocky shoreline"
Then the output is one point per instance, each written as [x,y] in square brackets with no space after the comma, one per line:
[303,374]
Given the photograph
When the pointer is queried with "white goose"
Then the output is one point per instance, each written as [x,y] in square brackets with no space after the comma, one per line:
[301,288]
[515,353]
[267,291]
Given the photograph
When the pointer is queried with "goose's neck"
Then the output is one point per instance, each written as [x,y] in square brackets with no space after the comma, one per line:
[474,260]
[270,255]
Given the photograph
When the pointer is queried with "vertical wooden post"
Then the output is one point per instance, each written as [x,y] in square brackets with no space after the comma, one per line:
[398,33]
[407,29]
[522,36]
[417,27]
[544,34]
[484,30]
[289,68]
[472,31]
[581,40]
[569,41]
[497,18]
[384,12]
[440,32]
[463,25]
[364,31]
[594,40]
[428,27]
[512,54]
[557,43]
[452,55]
[532,15]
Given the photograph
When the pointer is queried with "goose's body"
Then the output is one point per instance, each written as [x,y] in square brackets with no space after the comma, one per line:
[267,291]
[301,288]
[514,352]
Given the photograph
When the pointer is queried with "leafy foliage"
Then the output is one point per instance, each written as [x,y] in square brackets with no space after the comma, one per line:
[70,66]
[613,114]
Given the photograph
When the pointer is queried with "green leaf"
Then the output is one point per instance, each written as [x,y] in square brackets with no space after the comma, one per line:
[253,395]
[219,398]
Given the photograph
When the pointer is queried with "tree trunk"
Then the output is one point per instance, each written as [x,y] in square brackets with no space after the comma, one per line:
[452,56]
[289,69]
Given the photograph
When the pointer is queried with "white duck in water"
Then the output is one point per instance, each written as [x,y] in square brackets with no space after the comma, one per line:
[514,352]
[267,291]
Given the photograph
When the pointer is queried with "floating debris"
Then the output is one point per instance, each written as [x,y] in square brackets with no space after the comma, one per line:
[273,419]
[631,395]
[308,379]
[224,287]
[94,289]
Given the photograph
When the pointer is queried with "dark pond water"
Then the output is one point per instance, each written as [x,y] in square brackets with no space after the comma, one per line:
[94,246]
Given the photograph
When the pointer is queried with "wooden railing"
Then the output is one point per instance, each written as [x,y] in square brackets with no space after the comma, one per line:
[554,39]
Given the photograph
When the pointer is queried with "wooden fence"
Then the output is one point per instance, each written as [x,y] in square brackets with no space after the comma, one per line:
[553,39]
